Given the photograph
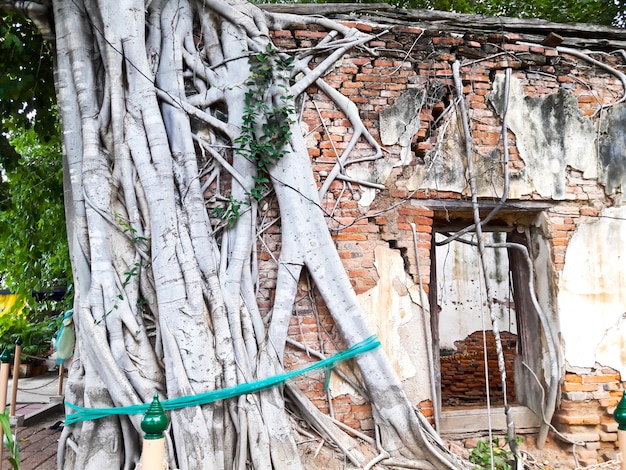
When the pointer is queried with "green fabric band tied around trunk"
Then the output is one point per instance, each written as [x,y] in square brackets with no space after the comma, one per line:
[86,414]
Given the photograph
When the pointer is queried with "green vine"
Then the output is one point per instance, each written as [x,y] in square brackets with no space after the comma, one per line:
[134,271]
[268,115]
[131,231]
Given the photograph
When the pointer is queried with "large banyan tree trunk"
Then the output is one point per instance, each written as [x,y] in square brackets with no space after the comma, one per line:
[179,116]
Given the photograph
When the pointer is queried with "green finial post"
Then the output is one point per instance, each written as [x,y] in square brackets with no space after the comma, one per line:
[620,414]
[153,425]
[19,341]
[5,357]
[155,421]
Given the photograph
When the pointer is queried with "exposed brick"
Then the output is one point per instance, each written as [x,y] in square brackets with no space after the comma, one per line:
[574,378]
[577,420]
[511,37]
[448,41]
[582,437]
[579,387]
[608,437]
[587,99]
[517,47]
[310,34]
[588,456]
[600,378]
[578,396]
[609,403]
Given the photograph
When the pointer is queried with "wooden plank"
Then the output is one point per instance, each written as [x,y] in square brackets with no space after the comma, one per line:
[434,327]
[530,350]
[577,35]
[464,205]
[476,421]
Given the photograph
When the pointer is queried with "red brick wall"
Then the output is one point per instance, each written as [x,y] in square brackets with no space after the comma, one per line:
[586,412]
[463,381]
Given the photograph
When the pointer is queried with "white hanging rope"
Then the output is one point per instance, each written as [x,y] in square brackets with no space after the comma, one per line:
[481,250]
[486,362]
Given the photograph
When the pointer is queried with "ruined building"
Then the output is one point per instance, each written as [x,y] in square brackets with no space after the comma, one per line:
[522,125]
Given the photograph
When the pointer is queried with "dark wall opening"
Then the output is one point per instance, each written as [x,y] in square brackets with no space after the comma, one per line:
[459,359]
[465,325]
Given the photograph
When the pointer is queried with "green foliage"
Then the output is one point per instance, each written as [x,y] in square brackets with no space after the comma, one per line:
[503,459]
[266,130]
[132,273]
[33,242]
[27,92]
[33,246]
[12,444]
[128,229]
[261,186]
[228,213]
[267,116]
[35,328]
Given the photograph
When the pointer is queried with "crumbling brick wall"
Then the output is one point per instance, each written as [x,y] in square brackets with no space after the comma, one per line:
[463,381]
[407,58]
[585,414]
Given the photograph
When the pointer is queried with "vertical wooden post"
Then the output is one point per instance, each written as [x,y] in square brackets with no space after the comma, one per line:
[5,366]
[620,416]
[60,387]
[16,375]
[154,424]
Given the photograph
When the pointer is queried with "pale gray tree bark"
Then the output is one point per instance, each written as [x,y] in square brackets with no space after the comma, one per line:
[152,98]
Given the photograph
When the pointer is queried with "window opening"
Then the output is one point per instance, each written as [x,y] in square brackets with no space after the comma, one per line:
[522,323]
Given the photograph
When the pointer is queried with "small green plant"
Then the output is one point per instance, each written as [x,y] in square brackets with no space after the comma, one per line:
[229,213]
[127,229]
[134,271]
[503,459]
[11,442]
[261,187]
[267,119]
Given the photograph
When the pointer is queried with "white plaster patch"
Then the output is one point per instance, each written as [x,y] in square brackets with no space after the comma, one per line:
[309,137]
[612,347]
[397,320]
[461,298]
[551,133]
[592,293]
[389,306]
[400,122]
[363,172]
[444,167]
